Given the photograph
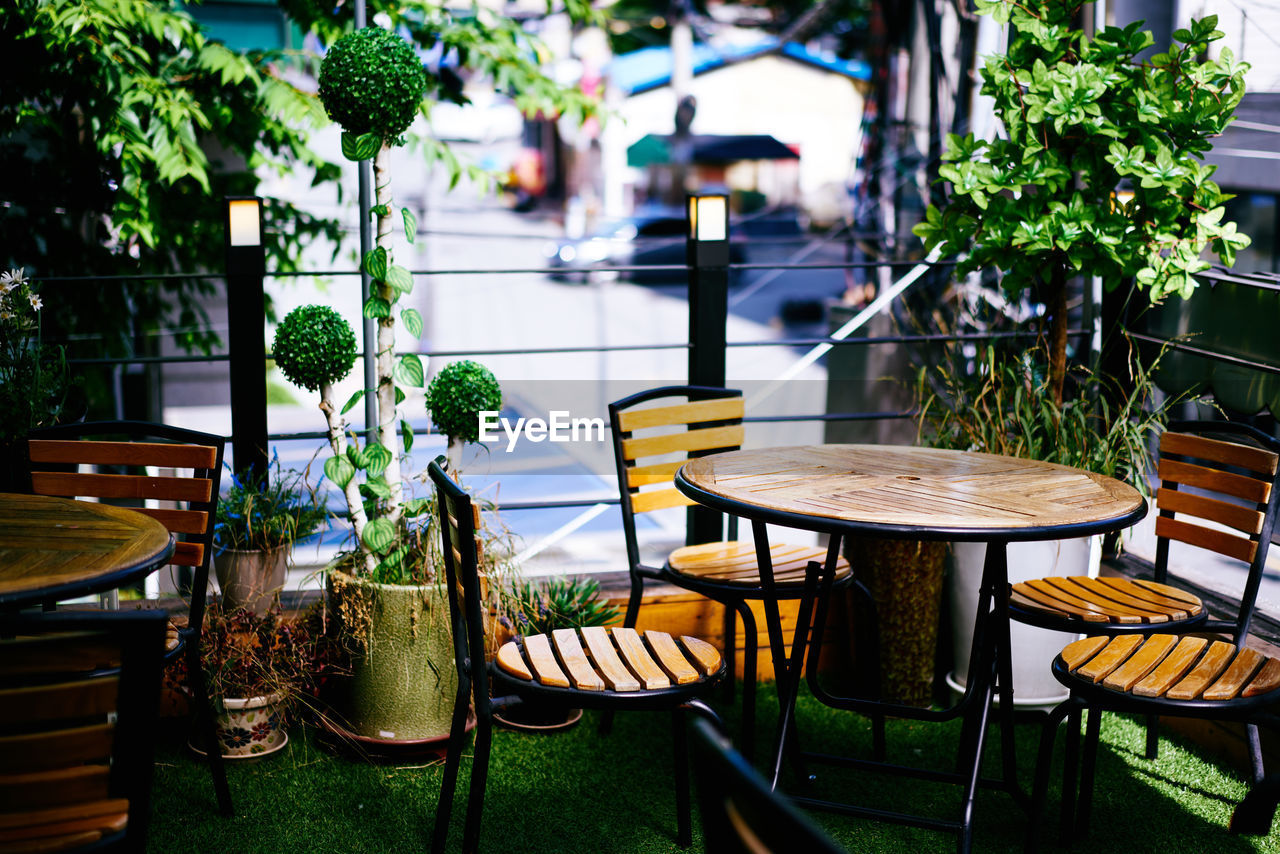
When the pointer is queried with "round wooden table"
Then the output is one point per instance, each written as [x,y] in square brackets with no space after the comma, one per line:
[59,548]
[919,494]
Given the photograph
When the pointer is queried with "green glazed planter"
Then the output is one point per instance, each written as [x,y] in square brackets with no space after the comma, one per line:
[403,679]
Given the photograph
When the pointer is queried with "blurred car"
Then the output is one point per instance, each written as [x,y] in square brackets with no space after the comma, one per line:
[646,239]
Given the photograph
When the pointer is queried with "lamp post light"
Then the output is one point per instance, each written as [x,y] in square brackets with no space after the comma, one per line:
[246,321]
[707,255]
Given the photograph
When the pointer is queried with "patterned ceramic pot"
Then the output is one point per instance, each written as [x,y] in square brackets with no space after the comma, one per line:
[250,728]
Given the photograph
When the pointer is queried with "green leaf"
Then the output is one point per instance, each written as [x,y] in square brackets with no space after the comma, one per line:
[412,322]
[417,506]
[375,263]
[355,398]
[361,147]
[379,210]
[410,224]
[356,456]
[377,307]
[376,486]
[339,470]
[406,432]
[399,278]
[378,458]
[409,371]
[379,535]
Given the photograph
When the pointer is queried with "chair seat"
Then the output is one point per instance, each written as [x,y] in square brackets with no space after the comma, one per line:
[64,828]
[1170,669]
[617,660]
[1114,601]
[734,562]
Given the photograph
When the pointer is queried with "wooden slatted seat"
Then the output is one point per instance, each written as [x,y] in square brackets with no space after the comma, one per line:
[75,745]
[629,662]
[167,473]
[594,667]
[1217,494]
[654,433]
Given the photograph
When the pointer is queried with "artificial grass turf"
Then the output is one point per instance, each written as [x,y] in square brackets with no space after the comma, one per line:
[578,791]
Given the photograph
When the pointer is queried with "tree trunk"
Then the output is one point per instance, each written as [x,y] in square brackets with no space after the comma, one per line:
[1057,307]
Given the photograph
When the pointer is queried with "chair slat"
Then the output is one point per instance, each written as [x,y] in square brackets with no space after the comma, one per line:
[1266,680]
[1097,596]
[703,439]
[187,554]
[1078,652]
[648,475]
[606,659]
[1218,451]
[1247,520]
[60,701]
[71,485]
[510,660]
[1111,657]
[177,521]
[40,751]
[637,658]
[162,454]
[1173,668]
[543,661]
[1142,662]
[705,656]
[1044,599]
[584,676]
[1229,684]
[1231,545]
[1077,606]
[1203,477]
[1157,595]
[659,499]
[670,658]
[1212,663]
[55,815]
[39,789]
[64,836]
[1131,597]
[720,409]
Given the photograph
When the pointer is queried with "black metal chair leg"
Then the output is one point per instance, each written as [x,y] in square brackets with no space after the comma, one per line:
[479,777]
[1256,764]
[730,650]
[204,724]
[680,741]
[750,662]
[1153,736]
[1044,761]
[1093,732]
[452,760]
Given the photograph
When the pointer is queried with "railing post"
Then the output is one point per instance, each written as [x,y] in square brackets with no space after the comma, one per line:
[246,322]
[707,255]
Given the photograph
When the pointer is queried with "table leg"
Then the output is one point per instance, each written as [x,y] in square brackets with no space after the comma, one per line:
[995,576]
[772,616]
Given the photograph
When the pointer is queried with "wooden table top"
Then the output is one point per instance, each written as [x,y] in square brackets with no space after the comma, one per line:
[57,547]
[925,493]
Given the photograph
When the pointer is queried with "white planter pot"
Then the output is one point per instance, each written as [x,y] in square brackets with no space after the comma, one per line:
[1033,648]
[249,728]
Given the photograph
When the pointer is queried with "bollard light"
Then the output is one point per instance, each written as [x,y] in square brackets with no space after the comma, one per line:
[708,230]
[245,255]
[246,326]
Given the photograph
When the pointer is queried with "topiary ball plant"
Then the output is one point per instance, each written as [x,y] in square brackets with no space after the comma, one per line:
[314,347]
[371,81]
[457,395]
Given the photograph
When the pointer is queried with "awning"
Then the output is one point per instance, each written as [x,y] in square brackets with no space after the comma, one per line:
[710,148]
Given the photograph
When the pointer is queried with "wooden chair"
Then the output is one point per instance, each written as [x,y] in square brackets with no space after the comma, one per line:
[740,813]
[131,464]
[1137,659]
[76,746]
[594,668]
[654,433]
[1228,484]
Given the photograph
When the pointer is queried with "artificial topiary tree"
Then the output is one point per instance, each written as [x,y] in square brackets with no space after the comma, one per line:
[455,398]
[371,82]
[1082,116]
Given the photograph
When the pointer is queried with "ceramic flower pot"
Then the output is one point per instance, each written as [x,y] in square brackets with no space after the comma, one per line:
[403,681]
[249,728]
[250,579]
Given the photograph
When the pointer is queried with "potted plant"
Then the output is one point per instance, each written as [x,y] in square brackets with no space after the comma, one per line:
[34,381]
[539,608]
[1001,403]
[256,524]
[259,667]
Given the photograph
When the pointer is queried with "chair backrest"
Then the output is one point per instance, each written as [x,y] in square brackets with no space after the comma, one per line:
[1229,476]
[76,747]
[124,455]
[459,519]
[740,814]
[655,432]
